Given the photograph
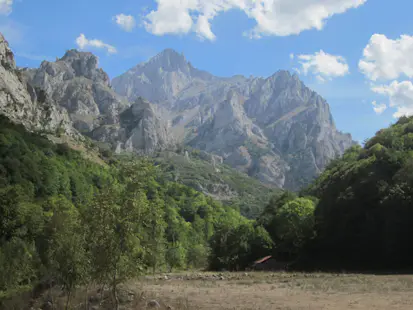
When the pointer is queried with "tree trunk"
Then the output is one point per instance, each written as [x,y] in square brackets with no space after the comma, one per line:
[115,293]
[87,297]
[68,300]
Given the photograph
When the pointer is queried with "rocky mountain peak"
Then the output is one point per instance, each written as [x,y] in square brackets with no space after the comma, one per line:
[274,128]
[6,55]
[84,64]
[168,60]
[76,83]
[25,104]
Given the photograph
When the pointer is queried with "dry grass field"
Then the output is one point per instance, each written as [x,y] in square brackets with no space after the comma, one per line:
[282,291]
[230,291]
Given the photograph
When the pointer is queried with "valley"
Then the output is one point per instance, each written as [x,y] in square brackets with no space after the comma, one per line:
[114,194]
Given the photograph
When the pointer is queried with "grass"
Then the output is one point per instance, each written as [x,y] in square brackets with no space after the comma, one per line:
[228,291]
[285,291]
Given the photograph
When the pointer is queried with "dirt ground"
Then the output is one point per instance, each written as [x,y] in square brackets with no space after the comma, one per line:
[230,291]
[280,291]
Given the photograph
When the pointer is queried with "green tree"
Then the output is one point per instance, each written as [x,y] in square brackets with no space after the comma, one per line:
[234,248]
[175,256]
[294,226]
[117,228]
[67,259]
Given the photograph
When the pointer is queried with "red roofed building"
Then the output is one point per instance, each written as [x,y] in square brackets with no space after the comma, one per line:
[268,263]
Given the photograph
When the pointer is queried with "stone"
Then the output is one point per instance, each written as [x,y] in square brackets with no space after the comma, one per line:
[48,305]
[153,304]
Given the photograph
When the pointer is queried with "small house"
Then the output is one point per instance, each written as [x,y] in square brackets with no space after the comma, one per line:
[269,263]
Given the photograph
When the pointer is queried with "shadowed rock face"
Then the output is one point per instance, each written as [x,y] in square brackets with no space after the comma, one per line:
[139,130]
[275,128]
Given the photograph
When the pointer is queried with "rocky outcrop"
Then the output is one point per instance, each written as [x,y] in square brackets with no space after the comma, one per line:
[76,83]
[27,105]
[139,130]
[72,96]
[275,128]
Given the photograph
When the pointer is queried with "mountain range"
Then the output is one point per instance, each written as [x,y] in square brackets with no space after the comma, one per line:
[274,129]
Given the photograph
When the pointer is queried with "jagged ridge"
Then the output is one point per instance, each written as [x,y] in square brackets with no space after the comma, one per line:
[274,128]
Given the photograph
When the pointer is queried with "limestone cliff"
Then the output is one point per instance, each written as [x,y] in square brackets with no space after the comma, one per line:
[274,128]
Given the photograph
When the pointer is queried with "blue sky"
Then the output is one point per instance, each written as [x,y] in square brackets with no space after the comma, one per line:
[228,37]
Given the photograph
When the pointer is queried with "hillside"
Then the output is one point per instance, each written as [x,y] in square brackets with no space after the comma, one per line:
[210,176]
[365,212]
[70,221]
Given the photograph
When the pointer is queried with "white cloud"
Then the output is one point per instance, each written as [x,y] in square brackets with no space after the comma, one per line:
[400,96]
[273,17]
[126,22]
[292,56]
[324,66]
[379,107]
[388,59]
[83,43]
[320,79]
[6,7]
[203,29]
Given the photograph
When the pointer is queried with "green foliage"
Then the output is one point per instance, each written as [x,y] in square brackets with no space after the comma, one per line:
[294,226]
[364,215]
[70,221]
[66,257]
[18,262]
[289,220]
[175,256]
[235,248]
[233,188]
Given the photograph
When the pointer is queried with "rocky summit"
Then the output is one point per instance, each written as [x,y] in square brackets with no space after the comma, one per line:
[275,129]
[73,96]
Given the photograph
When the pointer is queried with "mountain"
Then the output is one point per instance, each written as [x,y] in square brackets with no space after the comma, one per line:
[275,129]
[79,87]
[207,174]
[71,101]
[25,104]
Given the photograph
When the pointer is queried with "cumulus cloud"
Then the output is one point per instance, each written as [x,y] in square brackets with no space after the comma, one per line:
[400,96]
[387,59]
[323,65]
[126,22]
[379,107]
[83,43]
[6,7]
[273,17]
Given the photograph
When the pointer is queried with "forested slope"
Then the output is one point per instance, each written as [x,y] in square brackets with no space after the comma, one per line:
[69,221]
[365,212]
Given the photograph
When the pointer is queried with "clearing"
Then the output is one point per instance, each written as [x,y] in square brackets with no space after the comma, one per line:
[292,291]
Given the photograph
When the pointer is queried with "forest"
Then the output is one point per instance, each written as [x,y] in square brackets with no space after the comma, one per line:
[68,221]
